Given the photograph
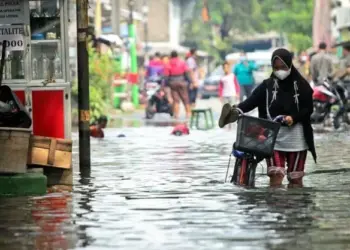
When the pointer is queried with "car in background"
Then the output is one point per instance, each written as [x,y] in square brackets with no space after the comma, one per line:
[210,87]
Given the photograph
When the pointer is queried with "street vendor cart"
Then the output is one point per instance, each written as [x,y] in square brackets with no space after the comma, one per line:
[36,66]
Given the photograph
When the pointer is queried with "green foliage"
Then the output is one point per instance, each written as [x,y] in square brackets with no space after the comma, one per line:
[101,70]
[292,17]
[232,20]
[229,20]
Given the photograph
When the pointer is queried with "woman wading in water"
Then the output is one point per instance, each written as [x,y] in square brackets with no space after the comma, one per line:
[286,93]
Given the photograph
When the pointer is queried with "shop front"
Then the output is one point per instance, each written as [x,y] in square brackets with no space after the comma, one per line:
[36,65]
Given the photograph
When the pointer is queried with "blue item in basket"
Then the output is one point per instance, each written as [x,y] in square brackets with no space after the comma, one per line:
[38,36]
[237,153]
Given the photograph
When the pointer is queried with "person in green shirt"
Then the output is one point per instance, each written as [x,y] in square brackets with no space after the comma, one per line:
[244,73]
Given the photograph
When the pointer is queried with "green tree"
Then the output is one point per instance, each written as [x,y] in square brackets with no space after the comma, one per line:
[293,17]
[101,70]
[229,21]
[232,20]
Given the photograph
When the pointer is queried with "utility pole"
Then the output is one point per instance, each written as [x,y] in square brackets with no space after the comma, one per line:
[115,17]
[133,55]
[83,86]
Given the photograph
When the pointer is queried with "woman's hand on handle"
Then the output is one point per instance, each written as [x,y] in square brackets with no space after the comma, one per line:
[289,120]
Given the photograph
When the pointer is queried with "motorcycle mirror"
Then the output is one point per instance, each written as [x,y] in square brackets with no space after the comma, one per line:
[326,84]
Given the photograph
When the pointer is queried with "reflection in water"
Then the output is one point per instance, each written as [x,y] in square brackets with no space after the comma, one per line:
[37,223]
[286,214]
[122,123]
[86,195]
[50,214]
[150,190]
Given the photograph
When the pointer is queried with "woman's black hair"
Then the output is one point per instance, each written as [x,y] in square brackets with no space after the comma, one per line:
[173,54]
[286,57]
[193,51]
[225,63]
[102,119]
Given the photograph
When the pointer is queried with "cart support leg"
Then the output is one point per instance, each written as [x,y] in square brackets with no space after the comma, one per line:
[83,86]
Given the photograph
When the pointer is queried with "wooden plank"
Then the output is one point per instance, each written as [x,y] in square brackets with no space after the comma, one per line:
[50,152]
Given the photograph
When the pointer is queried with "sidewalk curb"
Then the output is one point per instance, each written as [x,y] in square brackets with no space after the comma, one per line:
[23,184]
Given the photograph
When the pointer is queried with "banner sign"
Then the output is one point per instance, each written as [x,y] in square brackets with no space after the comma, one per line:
[12,12]
[14,36]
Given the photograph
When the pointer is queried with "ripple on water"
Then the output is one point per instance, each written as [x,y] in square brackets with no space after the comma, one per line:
[150,190]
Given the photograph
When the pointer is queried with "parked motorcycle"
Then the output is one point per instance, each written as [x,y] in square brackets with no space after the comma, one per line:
[152,85]
[330,103]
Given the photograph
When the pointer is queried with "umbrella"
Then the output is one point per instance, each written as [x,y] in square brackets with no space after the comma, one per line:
[112,38]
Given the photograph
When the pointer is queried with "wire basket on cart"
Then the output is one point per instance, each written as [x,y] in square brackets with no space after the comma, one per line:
[256,136]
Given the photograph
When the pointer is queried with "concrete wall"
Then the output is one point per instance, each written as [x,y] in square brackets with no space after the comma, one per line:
[322,23]
[158,21]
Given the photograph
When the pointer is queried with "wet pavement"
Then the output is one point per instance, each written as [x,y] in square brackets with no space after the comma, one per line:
[150,190]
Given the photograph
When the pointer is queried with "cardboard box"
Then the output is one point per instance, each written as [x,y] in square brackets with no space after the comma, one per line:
[50,152]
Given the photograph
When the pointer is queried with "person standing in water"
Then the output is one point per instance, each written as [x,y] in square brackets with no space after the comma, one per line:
[228,86]
[191,61]
[244,73]
[285,93]
[96,129]
[177,77]
[321,64]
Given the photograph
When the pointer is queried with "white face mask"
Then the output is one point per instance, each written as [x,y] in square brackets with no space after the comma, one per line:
[282,74]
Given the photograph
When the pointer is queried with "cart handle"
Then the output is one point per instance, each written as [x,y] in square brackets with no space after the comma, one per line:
[279,118]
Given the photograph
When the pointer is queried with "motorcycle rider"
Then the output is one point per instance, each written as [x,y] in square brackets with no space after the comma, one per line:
[321,64]
[159,103]
[155,67]
[344,70]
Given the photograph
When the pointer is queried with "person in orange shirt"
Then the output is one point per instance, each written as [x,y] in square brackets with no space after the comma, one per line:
[96,129]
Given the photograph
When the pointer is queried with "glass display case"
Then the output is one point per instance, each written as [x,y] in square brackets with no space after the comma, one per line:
[41,60]
[36,62]
[14,67]
[46,64]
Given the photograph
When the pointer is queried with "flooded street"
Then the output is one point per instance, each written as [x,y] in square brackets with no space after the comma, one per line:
[150,190]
